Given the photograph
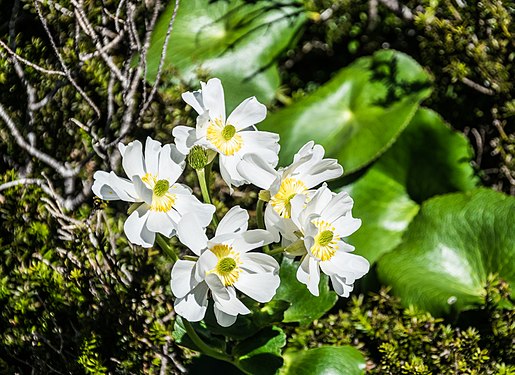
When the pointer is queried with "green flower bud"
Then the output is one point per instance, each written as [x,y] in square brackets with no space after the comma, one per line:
[198,157]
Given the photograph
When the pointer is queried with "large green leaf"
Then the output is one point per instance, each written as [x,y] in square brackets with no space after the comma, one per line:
[327,360]
[358,114]
[428,159]
[304,307]
[449,249]
[235,41]
[261,354]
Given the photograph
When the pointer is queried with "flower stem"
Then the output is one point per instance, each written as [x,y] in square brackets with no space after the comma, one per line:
[260,207]
[276,251]
[168,250]
[204,348]
[201,174]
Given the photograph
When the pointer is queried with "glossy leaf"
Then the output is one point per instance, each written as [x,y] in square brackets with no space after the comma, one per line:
[428,159]
[304,307]
[324,361]
[261,354]
[181,337]
[449,249]
[235,41]
[358,114]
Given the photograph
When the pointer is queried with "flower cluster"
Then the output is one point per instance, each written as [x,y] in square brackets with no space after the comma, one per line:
[308,222]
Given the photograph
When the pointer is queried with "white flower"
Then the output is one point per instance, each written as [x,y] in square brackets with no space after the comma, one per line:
[324,221]
[309,169]
[232,137]
[224,266]
[152,183]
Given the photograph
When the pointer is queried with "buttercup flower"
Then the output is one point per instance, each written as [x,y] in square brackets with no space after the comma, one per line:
[309,169]
[224,266]
[233,137]
[324,221]
[152,183]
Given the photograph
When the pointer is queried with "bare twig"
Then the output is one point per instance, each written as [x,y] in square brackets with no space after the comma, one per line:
[28,63]
[162,59]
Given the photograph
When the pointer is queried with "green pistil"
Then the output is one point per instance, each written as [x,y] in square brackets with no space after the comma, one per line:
[226,265]
[228,132]
[161,188]
[325,238]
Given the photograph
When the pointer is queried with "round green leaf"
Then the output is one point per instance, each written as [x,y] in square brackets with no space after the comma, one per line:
[235,41]
[449,249]
[304,307]
[428,159]
[358,114]
[327,360]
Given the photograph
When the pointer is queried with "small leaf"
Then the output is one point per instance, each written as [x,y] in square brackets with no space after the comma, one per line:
[324,361]
[449,250]
[358,114]
[181,337]
[304,307]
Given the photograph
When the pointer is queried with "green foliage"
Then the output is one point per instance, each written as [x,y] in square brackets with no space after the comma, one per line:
[399,340]
[212,35]
[325,360]
[358,114]
[428,159]
[455,241]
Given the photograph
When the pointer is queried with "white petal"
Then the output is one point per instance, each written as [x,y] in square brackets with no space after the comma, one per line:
[136,230]
[248,113]
[346,225]
[259,262]
[303,270]
[188,203]
[298,204]
[255,170]
[339,205]
[194,305]
[227,302]
[314,276]
[213,98]
[191,233]
[276,224]
[225,320]
[263,144]
[160,222]
[340,287]
[234,221]
[109,186]
[143,192]
[304,150]
[318,202]
[258,286]
[345,265]
[169,168]
[185,138]
[195,100]
[152,150]
[201,128]
[183,280]
[205,263]
[229,172]
[132,160]
[324,170]
[252,239]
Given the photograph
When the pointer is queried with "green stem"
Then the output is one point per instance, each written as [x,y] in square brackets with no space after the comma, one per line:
[276,251]
[169,251]
[204,348]
[260,207]
[201,174]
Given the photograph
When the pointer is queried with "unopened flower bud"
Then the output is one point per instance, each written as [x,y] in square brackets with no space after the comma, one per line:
[264,195]
[198,158]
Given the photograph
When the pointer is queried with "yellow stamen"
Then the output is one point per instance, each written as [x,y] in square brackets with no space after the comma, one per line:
[228,266]
[281,202]
[162,199]
[326,241]
[224,137]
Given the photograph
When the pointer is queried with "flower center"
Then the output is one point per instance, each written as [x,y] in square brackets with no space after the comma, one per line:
[161,188]
[281,202]
[224,137]
[162,199]
[326,241]
[228,132]
[228,266]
